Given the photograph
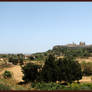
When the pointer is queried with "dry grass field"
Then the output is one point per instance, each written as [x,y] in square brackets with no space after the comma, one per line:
[89,59]
[16,72]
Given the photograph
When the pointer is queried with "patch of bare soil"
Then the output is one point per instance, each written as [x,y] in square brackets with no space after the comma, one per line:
[89,59]
[16,71]
[86,79]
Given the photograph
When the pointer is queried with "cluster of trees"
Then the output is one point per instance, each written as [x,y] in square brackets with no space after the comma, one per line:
[15,59]
[38,56]
[73,51]
[66,69]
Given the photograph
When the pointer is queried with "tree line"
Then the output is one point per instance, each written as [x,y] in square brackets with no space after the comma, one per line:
[65,51]
[16,58]
[73,51]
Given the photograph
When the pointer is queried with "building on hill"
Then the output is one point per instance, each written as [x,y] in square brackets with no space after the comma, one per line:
[82,44]
[71,45]
[74,45]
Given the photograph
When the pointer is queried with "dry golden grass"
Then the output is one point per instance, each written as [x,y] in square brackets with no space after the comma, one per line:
[12,83]
[60,57]
[16,71]
[86,79]
[89,59]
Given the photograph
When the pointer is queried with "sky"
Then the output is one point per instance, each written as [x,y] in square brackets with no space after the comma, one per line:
[30,27]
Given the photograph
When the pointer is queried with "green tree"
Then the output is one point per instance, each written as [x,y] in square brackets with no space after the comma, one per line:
[69,70]
[20,58]
[7,74]
[49,71]
[16,58]
[30,72]
[13,60]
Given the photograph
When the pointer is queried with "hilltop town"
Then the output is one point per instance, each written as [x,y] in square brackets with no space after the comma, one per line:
[81,44]
[74,44]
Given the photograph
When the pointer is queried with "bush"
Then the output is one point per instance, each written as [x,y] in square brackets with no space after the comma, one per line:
[47,86]
[7,74]
[59,86]
[13,60]
[69,70]
[30,72]
[31,57]
[4,87]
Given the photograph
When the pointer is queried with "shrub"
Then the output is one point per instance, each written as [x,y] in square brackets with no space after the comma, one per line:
[13,60]
[55,86]
[75,86]
[47,86]
[31,57]
[7,74]
[4,87]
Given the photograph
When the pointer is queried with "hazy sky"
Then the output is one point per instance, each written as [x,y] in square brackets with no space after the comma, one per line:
[29,27]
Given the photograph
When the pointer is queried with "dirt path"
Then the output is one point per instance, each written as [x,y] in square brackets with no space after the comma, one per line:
[16,70]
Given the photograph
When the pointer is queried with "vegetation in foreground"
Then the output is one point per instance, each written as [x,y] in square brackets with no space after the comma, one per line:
[9,84]
[59,86]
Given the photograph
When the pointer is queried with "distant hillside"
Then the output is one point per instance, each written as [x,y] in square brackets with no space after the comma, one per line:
[81,44]
[75,50]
